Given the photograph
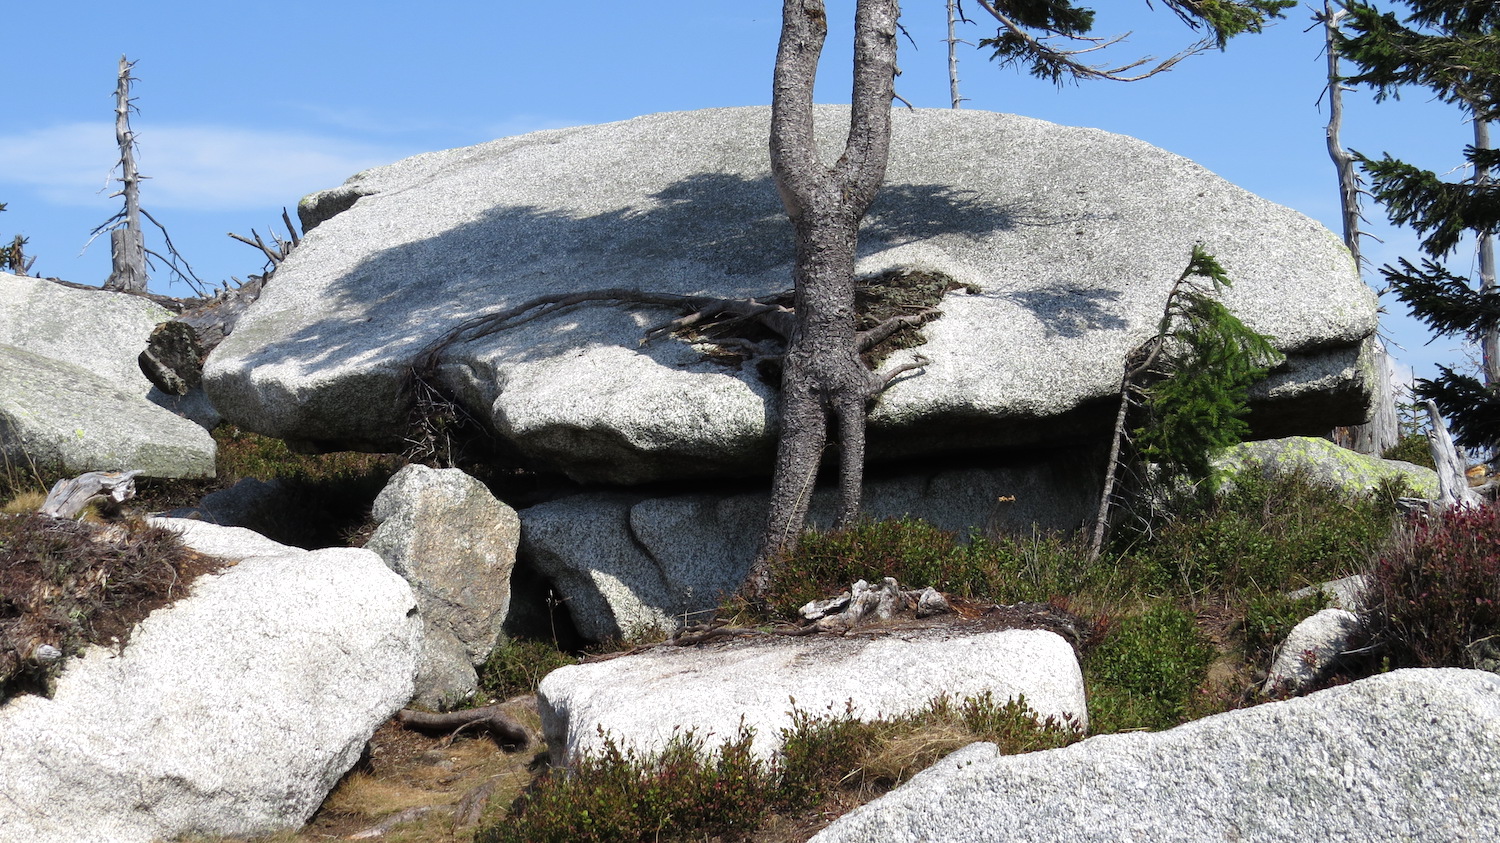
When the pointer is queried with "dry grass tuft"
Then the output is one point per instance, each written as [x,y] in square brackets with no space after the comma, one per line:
[23,503]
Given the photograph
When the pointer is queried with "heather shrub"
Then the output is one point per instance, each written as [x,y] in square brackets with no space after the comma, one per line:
[1002,568]
[1143,675]
[690,791]
[1437,589]
[825,563]
[1264,534]
[1270,618]
[622,795]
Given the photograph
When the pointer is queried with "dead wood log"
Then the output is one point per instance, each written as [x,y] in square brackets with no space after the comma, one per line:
[506,732]
[470,809]
[69,497]
[174,355]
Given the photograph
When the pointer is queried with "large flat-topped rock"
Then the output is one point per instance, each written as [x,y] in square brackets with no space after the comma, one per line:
[1071,236]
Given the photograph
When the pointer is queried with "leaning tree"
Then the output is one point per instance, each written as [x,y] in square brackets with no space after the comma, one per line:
[826,389]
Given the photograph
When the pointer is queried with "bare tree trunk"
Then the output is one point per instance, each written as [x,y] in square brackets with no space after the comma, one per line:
[1490,342]
[127,244]
[823,380]
[953,42]
[1382,432]
[1342,160]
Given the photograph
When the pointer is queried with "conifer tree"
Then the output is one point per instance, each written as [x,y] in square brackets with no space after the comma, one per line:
[1188,385]
[1451,48]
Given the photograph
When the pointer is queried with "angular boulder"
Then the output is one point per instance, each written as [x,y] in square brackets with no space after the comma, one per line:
[72,398]
[232,712]
[1070,239]
[444,533]
[1408,755]
[629,565]
[641,701]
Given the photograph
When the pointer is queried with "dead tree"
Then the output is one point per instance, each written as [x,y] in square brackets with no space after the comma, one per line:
[127,240]
[1381,432]
[1453,485]
[1489,341]
[955,16]
[127,243]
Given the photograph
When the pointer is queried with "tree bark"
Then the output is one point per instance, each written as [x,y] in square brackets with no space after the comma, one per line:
[824,383]
[1343,161]
[1381,432]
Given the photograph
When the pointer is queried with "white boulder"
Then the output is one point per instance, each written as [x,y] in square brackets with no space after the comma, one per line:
[444,533]
[1408,755]
[231,712]
[641,701]
[72,398]
[1072,239]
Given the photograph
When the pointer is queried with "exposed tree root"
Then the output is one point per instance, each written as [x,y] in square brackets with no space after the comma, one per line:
[505,732]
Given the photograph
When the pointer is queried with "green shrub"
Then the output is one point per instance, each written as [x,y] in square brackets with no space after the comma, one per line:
[516,666]
[1002,569]
[617,795]
[826,563]
[1143,675]
[1269,619]
[1264,534]
[1412,448]
[1437,589]
[1012,569]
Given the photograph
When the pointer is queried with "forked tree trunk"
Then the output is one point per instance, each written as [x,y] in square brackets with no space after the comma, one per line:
[824,383]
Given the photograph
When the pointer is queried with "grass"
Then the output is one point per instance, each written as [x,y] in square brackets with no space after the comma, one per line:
[516,666]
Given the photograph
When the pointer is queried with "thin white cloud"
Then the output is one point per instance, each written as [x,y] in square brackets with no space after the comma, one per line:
[208,168]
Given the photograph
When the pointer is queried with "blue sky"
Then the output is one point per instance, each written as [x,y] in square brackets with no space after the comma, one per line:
[245,109]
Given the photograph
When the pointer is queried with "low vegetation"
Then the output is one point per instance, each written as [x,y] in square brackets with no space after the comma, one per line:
[1435,591]
[1185,617]
[691,791]
[67,584]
